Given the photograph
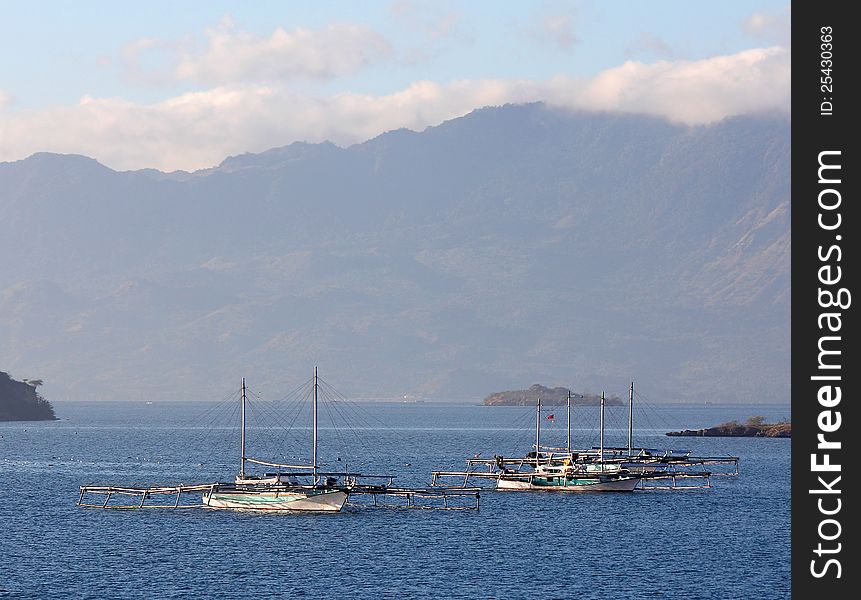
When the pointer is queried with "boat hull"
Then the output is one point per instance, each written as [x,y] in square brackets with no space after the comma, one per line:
[278,500]
[622,484]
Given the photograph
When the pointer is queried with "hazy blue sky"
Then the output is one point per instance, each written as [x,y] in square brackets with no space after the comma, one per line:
[183,84]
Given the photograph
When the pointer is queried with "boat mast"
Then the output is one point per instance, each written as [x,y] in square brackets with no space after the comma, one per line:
[568,420]
[242,435]
[314,442]
[631,420]
[602,431]
[537,430]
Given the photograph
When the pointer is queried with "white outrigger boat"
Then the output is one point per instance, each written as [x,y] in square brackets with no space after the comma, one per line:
[598,469]
[281,491]
[570,478]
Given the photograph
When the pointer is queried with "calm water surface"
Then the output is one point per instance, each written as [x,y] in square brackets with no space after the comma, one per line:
[731,541]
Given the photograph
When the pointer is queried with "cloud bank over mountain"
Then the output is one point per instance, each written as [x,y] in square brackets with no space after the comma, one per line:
[253,106]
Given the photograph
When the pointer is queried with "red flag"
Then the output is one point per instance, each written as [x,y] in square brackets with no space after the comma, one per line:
[550,417]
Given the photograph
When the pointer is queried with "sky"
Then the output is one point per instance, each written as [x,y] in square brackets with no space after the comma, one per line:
[183,85]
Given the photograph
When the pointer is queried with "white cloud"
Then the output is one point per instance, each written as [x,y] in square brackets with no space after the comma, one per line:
[199,129]
[231,56]
[5,100]
[692,92]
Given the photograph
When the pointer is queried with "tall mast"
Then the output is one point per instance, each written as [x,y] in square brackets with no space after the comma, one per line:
[314,417]
[602,431]
[242,435]
[631,420]
[537,430]
[568,421]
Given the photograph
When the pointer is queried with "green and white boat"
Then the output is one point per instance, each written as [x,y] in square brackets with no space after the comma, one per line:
[280,491]
[567,474]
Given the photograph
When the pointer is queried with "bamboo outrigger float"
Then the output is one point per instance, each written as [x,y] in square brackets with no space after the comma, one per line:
[359,495]
[281,490]
[595,469]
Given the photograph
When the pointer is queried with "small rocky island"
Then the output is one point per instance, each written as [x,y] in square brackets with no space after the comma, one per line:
[19,401]
[753,427]
[557,396]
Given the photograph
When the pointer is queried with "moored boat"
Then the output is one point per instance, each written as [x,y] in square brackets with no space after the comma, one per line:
[296,499]
[281,490]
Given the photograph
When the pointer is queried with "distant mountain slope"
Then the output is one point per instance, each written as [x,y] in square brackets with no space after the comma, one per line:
[514,244]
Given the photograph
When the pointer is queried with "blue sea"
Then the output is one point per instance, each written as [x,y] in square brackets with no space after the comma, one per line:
[730,541]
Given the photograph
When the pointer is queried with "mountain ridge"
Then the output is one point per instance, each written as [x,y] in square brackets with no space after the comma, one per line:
[518,242]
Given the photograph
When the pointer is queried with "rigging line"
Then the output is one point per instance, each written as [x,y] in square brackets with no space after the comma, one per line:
[344,414]
[216,417]
[347,400]
[295,390]
[360,418]
[299,403]
[644,412]
[223,418]
[300,433]
[270,418]
[263,442]
[356,414]
[287,440]
[266,443]
[275,448]
[287,405]
[647,405]
[294,403]
[350,411]
[522,435]
[215,446]
[358,424]
[294,407]
[359,438]
[588,420]
[509,437]
[199,416]
[212,414]
[344,447]
[298,395]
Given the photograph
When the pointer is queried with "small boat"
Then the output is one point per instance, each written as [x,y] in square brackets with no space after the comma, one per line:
[549,473]
[571,477]
[281,490]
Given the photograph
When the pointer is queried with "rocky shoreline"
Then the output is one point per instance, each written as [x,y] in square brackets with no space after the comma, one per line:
[772,430]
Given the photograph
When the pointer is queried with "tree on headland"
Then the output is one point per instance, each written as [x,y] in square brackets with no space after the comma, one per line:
[755,421]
